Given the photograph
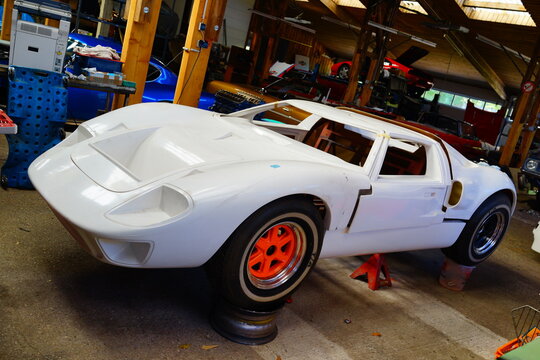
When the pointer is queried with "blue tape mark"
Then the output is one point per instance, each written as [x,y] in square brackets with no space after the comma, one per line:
[275,166]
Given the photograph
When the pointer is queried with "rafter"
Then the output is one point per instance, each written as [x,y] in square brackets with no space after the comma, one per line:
[339,12]
[461,43]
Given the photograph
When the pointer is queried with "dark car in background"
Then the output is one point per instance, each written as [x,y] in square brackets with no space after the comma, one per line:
[529,176]
[458,133]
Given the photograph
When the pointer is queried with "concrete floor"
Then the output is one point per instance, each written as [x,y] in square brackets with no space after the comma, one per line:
[57,302]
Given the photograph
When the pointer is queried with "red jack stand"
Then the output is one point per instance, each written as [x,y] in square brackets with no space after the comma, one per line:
[372,269]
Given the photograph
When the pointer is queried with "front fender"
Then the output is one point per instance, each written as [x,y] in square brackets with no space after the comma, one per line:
[226,196]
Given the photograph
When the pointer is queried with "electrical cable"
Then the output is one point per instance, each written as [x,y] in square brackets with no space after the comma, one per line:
[192,68]
[189,76]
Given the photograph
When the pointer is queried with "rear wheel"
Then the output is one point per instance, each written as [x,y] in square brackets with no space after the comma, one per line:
[269,255]
[482,233]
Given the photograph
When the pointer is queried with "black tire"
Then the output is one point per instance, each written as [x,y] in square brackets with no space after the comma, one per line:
[343,71]
[482,233]
[274,273]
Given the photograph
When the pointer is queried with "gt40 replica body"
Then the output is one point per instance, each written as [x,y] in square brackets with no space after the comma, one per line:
[159,185]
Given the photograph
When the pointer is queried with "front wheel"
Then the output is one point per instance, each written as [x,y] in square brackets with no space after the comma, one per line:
[269,254]
[482,233]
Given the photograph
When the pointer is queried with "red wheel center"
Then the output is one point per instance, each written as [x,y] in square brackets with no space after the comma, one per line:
[273,252]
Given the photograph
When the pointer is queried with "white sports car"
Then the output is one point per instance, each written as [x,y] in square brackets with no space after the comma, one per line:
[160,185]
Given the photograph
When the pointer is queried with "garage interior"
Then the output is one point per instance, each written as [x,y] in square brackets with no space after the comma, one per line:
[474,63]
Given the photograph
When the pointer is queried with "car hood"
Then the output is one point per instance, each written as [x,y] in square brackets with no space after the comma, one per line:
[134,153]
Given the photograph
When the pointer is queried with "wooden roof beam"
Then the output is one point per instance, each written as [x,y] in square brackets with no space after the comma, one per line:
[461,44]
[339,12]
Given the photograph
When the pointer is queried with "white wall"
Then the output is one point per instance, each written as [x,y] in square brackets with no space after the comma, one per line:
[237,18]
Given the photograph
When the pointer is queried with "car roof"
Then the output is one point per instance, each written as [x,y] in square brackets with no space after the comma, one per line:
[352,117]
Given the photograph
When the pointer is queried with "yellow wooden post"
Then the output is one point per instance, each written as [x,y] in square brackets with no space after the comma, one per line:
[525,112]
[195,57]
[530,130]
[6,20]
[137,45]
[360,54]
[52,22]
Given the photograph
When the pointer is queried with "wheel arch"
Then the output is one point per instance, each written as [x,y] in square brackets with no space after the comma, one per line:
[509,194]
[322,207]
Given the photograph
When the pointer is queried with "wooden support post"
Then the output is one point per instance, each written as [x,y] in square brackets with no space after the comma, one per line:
[385,12]
[105,12]
[268,57]
[385,15]
[137,46]
[269,29]
[359,57]
[525,114]
[255,48]
[52,22]
[195,58]
[367,88]
[6,20]
[529,131]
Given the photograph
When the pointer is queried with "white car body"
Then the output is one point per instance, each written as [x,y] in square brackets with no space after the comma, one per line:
[536,242]
[160,185]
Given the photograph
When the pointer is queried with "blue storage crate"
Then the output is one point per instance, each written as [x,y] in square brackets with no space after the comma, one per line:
[36,93]
[22,152]
[37,104]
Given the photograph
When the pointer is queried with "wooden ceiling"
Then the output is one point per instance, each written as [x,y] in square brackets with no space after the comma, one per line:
[443,61]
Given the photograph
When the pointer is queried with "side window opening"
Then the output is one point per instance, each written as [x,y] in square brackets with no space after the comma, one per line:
[283,115]
[408,159]
[339,140]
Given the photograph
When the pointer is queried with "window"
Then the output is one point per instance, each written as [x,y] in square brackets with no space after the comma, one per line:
[501,11]
[346,142]
[492,107]
[404,157]
[460,101]
[281,115]
[479,104]
[446,98]
[430,94]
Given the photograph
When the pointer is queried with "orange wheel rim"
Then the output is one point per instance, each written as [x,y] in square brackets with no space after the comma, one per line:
[273,252]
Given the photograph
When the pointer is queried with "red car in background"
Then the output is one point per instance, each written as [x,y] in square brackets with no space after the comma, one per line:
[416,79]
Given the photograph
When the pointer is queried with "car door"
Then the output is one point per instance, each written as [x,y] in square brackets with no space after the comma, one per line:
[408,190]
